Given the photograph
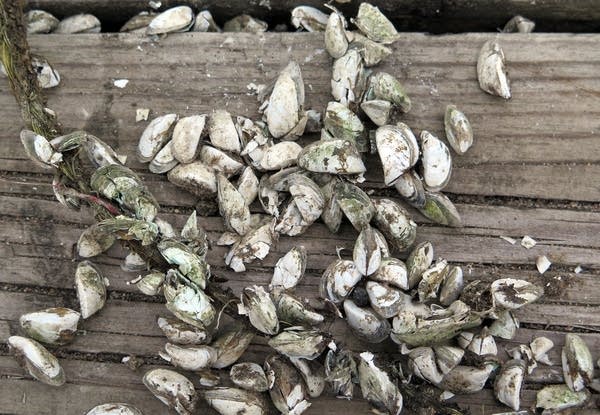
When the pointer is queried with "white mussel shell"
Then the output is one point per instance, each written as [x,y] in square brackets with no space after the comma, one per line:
[173,389]
[287,391]
[347,81]
[189,358]
[290,268]
[505,326]
[365,323]
[540,346]
[231,344]
[247,185]
[164,160]
[39,149]
[376,385]
[355,203]
[452,286]
[223,133]
[138,23]
[395,150]
[410,186]
[309,18]
[93,241]
[205,23]
[507,386]
[114,409]
[195,177]
[378,110]
[249,376]
[374,24]
[338,280]
[366,253]
[91,288]
[182,333]
[336,41]
[284,108]
[392,271]
[313,374]
[175,19]
[256,244]
[232,207]
[385,300]
[556,398]
[154,137]
[245,23]
[261,310]
[395,223]
[577,363]
[483,344]
[186,137]
[431,280]
[419,259]
[422,362]
[448,357]
[231,401]
[458,130]
[491,70]
[51,326]
[40,21]
[331,156]
[280,155]
[436,162]
[79,23]
[38,361]
[467,379]
[47,76]
[294,311]
[300,343]
[440,209]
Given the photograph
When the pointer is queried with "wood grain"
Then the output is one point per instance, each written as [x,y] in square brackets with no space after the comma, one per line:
[540,146]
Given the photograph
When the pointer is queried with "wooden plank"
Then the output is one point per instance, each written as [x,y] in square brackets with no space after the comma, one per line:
[432,15]
[519,148]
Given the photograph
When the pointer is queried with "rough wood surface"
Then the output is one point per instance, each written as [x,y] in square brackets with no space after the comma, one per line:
[532,171]
[427,15]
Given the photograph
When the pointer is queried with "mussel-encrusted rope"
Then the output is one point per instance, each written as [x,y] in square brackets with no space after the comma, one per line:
[14,53]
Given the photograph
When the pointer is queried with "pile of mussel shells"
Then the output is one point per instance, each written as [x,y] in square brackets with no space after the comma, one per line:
[444,328]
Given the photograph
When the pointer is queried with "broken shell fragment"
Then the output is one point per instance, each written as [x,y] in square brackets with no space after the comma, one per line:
[287,391]
[542,263]
[341,371]
[338,280]
[40,21]
[507,386]
[418,261]
[440,210]
[431,280]
[195,177]
[231,344]
[245,23]
[187,303]
[189,358]
[182,333]
[93,241]
[577,363]
[260,309]
[186,137]
[458,130]
[395,223]
[309,18]
[289,270]
[36,360]
[247,185]
[511,293]
[505,326]
[47,76]
[519,24]
[173,389]
[436,162]
[556,398]
[467,379]
[348,78]
[223,133]
[39,149]
[91,288]
[377,387]
[313,374]
[331,156]
[422,362]
[336,41]
[373,23]
[491,70]
[55,326]
[249,376]
[256,244]
[297,342]
[378,110]
[280,156]
[387,87]
[114,409]
[448,357]
[232,207]
[540,346]
[365,323]
[154,137]
[205,23]
[231,401]
[79,23]
[175,19]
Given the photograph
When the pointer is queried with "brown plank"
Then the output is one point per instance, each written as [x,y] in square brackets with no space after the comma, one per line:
[520,144]
[431,15]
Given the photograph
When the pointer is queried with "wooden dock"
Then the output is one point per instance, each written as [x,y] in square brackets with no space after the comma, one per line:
[534,170]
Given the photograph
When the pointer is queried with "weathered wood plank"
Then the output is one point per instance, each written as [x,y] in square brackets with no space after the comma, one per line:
[520,144]
[431,15]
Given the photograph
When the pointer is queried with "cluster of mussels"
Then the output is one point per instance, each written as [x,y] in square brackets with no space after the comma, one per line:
[423,306]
